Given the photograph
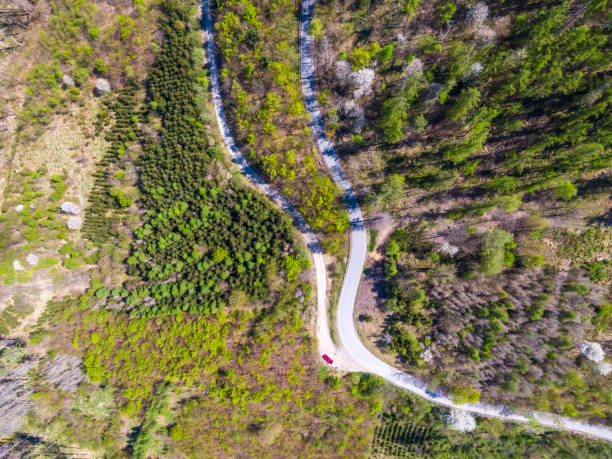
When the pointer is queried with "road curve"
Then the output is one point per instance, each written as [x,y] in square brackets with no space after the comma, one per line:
[351,355]
[350,341]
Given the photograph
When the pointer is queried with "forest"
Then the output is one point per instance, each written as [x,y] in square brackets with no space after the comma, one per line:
[514,102]
[481,131]
[204,241]
[514,336]
[194,332]
[261,83]
[180,317]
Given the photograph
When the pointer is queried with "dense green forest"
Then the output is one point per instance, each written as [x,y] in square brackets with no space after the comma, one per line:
[507,100]
[486,131]
[204,241]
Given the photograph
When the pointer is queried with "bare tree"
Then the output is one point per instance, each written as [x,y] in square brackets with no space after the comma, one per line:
[326,54]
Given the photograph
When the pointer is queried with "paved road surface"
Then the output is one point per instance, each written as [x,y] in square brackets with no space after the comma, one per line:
[351,355]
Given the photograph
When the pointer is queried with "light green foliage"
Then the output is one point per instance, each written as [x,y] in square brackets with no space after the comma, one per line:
[410,6]
[197,344]
[420,123]
[295,265]
[510,203]
[372,239]
[119,195]
[263,46]
[361,57]
[447,11]
[430,44]
[565,190]
[497,251]
[466,101]
[322,198]
[463,395]
[102,293]
[603,319]
[393,119]
[100,66]
[316,28]
[392,191]
[470,168]
[386,53]
[80,76]
[59,187]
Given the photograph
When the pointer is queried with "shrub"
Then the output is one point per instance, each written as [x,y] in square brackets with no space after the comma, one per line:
[410,7]
[361,57]
[463,395]
[100,66]
[565,191]
[497,251]
[420,123]
[366,386]
[316,28]
[511,383]
[466,101]
[393,119]
[102,293]
[386,54]
[447,11]
[430,45]
[80,76]
[603,318]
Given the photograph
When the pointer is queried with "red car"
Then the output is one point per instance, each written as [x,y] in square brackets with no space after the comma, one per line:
[327,359]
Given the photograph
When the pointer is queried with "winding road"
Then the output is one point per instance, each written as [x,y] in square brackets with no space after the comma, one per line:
[351,354]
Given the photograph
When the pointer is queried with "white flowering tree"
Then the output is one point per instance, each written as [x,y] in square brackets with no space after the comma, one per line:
[351,109]
[362,81]
[414,68]
[460,420]
[342,71]
[478,14]
[592,351]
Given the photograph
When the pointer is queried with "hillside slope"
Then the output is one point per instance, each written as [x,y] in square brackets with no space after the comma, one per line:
[484,130]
